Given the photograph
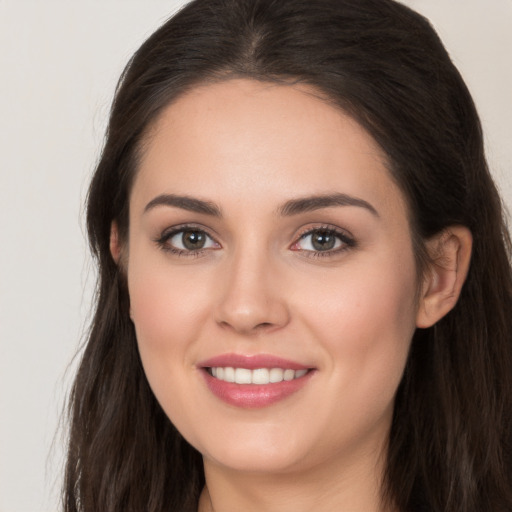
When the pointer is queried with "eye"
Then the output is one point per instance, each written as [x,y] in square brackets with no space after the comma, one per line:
[191,240]
[323,240]
[187,240]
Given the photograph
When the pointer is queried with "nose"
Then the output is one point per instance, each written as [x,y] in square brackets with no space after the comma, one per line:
[250,299]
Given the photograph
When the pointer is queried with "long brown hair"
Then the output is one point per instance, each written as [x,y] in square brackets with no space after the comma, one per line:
[450,445]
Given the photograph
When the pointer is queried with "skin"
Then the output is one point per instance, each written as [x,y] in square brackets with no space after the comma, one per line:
[258,287]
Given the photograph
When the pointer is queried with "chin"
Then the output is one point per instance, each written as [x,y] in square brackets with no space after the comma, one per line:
[263,459]
[261,447]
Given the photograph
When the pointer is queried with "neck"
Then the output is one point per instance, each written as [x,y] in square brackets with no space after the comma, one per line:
[354,487]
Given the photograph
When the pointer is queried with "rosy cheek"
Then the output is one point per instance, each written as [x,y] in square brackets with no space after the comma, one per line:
[146,296]
[168,307]
[366,316]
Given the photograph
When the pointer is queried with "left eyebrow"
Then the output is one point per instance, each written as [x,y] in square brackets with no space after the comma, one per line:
[317,202]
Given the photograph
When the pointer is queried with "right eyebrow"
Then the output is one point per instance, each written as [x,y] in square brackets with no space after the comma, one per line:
[190,204]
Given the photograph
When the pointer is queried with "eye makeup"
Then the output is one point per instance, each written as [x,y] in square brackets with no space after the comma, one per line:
[192,240]
[186,240]
[323,241]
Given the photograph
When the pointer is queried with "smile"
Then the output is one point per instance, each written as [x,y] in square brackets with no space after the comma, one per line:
[254,381]
[260,376]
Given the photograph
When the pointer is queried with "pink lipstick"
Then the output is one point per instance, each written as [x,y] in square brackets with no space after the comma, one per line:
[253,381]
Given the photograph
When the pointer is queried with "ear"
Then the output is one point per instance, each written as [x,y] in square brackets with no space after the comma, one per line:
[450,254]
[115,243]
[116,249]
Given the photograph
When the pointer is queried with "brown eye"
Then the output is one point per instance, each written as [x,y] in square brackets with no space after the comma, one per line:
[188,240]
[320,240]
[323,240]
[193,240]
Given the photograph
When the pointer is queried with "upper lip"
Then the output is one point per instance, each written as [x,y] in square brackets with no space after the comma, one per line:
[251,362]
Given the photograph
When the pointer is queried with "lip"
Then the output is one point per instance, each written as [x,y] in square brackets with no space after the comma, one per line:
[252,362]
[253,396]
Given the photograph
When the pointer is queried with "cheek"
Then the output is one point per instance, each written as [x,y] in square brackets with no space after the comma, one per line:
[365,322]
[166,304]
[168,308]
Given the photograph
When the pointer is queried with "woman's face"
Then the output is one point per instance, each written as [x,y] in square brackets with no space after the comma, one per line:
[268,242]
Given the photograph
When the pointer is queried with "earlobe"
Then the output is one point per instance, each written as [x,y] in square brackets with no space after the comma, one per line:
[115,244]
[450,254]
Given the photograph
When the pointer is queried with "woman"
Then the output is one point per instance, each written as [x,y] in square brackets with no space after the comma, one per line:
[304,277]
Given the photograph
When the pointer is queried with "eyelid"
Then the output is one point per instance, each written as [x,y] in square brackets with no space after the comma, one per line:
[347,240]
[167,234]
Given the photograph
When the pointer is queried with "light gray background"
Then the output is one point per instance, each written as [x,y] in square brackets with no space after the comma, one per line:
[59,62]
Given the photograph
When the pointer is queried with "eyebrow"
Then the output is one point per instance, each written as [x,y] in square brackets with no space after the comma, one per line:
[290,208]
[317,202]
[185,203]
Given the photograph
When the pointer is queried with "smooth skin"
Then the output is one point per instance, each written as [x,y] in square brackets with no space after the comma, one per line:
[333,286]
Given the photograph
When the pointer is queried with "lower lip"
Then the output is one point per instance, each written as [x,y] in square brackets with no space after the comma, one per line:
[253,396]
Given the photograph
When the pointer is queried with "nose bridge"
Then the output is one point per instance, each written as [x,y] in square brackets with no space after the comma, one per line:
[249,300]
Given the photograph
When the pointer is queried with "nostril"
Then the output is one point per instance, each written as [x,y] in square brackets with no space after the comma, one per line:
[263,325]
[251,313]
[257,327]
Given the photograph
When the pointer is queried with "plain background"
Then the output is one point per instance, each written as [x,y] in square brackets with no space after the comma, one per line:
[59,62]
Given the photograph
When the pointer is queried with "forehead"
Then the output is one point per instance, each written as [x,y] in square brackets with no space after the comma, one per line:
[246,139]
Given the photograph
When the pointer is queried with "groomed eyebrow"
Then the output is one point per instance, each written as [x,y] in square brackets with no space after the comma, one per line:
[185,203]
[317,202]
[291,207]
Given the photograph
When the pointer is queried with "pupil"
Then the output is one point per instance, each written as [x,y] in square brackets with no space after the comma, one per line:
[323,240]
[193,240]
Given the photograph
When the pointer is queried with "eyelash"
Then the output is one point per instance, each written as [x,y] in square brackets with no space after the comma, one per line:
[163,241]
[347,242]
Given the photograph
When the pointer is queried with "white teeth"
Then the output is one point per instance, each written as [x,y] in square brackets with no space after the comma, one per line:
[243,376]
[289,374]
[257,376]
[276,375]
[260,376]
[229,374]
